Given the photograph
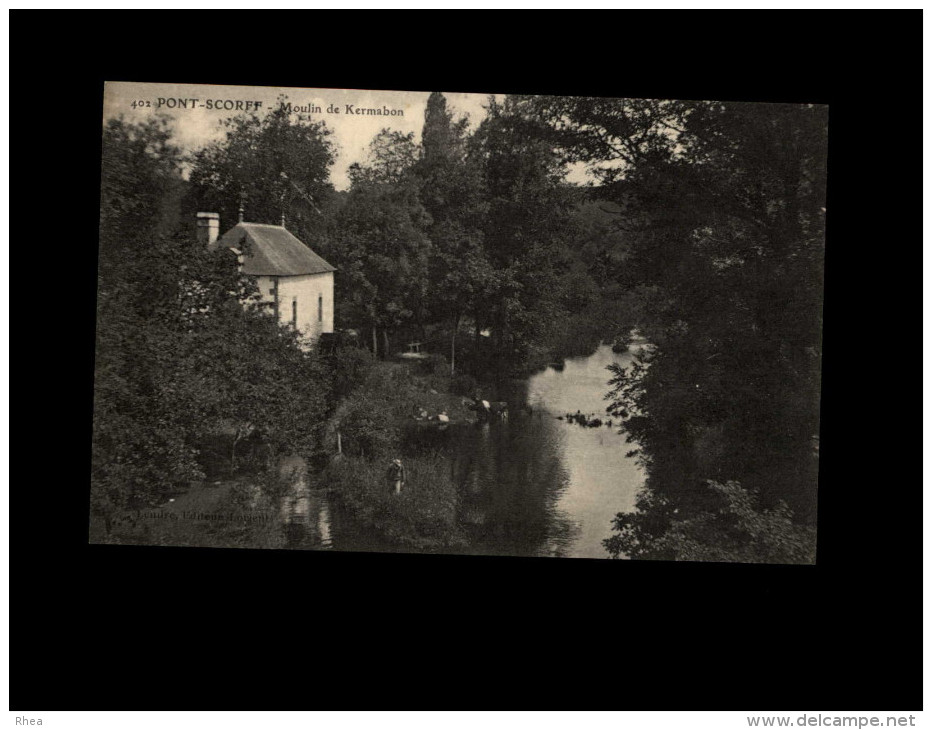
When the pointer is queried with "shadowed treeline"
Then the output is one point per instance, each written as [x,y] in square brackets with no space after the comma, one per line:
[724,206]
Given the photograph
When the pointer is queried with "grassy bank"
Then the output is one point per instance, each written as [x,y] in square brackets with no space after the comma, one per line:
[391,413]
[392,397]
[423,516]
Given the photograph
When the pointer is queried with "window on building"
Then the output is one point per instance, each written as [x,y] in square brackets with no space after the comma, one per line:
[294,312]
[320,308]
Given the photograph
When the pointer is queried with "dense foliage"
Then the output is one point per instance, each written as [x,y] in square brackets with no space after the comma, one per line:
[739,530]
[724,205]
[474,228]
[273,166]
[179,356]
[382,247]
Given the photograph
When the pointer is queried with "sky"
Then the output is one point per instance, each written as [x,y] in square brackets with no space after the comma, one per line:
[198,122]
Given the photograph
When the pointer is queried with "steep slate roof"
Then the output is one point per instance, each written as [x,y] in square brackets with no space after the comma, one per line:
[273,251]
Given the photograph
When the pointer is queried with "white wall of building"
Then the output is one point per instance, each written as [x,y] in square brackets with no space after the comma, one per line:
[313,294]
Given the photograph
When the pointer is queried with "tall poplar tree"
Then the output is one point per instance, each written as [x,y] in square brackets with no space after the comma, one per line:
[451,190]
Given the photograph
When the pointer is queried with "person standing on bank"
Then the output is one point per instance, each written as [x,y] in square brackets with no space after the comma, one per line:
[396,475]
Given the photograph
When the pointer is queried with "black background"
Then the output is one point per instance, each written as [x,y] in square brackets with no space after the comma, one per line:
[108,627]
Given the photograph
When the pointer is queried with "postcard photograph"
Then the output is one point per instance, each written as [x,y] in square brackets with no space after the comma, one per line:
[456,323]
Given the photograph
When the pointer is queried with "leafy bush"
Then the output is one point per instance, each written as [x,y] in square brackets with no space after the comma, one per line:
[422,516]
[739,531]
[350,366]
[368,420]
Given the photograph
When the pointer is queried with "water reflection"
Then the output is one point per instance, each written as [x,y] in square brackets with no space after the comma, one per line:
[510,476]
[304,512]
[310,520]
[534,485]
[538,485]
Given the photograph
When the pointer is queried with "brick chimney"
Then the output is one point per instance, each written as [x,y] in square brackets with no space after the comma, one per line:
[208,228]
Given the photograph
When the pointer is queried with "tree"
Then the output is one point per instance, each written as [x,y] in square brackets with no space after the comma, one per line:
[275,165]
[451,190]
[140,187]
[724,207]
[526,227]
[140,169]
[392,157]
[381,245]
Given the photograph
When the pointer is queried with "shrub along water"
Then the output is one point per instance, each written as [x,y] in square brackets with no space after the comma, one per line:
[375,422]
[739,530]
[422,516]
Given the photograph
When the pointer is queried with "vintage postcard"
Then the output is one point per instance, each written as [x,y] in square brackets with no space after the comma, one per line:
[476,324]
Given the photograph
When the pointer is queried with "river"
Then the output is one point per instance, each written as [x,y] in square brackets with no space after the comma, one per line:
[534,485]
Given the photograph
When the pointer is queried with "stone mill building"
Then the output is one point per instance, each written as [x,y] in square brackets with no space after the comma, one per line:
[295,280]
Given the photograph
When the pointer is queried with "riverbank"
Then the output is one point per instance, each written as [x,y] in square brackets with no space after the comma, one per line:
[393,409]
[532,485]
[421,517]
[399,410]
